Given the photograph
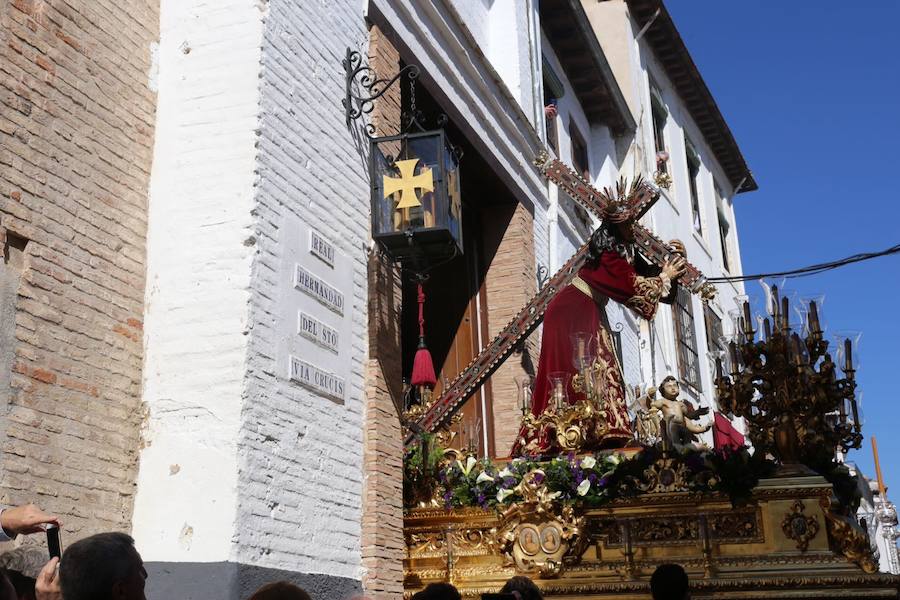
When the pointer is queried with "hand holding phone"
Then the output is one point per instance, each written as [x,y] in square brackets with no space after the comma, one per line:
[53,545]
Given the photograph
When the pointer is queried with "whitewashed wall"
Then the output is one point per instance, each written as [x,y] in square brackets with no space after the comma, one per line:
[199,250]
[300,490]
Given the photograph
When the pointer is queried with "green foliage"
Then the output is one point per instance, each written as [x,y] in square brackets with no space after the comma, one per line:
[587,480]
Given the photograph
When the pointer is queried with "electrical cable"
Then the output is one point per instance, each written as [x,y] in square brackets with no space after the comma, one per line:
[812,269]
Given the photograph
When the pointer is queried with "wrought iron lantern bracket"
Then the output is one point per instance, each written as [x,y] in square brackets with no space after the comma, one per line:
[363,86]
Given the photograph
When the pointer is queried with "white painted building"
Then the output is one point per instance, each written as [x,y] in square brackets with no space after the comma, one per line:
[261,384]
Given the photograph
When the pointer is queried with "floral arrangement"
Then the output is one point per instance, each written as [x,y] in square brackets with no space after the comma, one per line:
[591,480]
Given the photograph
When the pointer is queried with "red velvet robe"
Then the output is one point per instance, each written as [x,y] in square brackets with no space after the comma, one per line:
[573,310]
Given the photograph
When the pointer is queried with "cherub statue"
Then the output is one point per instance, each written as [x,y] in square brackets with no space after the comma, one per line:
[646,418]
[679,429]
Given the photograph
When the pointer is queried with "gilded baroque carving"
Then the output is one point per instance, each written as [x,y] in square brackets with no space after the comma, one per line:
[851,540]
[799,527]
[537,535]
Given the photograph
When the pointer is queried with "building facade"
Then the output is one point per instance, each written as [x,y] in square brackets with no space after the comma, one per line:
[199,342]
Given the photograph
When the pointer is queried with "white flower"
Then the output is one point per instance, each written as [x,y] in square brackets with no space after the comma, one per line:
[483,477]
[470,464]
[588,462]
[502,494]
[554,495]
[614,459]
[505,473]
[583,487]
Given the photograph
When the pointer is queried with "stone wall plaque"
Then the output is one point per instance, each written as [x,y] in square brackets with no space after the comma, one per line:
[317,331]
[316,287]
[320,247]
[324,382]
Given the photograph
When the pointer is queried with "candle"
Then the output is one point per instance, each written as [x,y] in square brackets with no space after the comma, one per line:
[775,303]
[734,357]
[798,351]
[856,423]
[768,328]
[848,352]
[748,328]
[813,317]
[785,314]
[718,368]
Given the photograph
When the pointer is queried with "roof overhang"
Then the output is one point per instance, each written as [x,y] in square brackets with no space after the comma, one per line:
[673,55]
[573,39]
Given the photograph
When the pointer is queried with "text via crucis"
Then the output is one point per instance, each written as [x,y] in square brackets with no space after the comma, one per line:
[320,380]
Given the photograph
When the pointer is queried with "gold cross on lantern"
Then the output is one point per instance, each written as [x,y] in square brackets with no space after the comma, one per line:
[408,183]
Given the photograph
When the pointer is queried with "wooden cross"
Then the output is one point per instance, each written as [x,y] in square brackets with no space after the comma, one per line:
[490,358]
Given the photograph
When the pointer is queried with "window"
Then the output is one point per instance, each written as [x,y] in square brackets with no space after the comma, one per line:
[693,165]
[553,91]
[579,152]
[660,114]
[713,329]
[686,339]
[724,227]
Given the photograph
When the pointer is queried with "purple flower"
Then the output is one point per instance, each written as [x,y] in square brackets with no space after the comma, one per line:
[604,481]
[694,462]
[509,482]
[571,457]
[482,500]
[538,478]
[579,476]
[593,478]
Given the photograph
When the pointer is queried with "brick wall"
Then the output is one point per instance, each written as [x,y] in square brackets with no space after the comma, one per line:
[76,130]
[510,284]
[383,546]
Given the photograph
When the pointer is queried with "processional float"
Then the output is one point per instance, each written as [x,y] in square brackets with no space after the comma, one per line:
[775,523]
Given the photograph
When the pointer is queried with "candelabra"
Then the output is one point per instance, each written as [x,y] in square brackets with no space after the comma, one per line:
[565,425]
[786,386]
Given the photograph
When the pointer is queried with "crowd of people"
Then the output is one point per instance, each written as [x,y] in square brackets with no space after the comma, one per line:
[107,566]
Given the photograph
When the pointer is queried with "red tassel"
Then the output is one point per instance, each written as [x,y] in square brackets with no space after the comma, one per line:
[423,366]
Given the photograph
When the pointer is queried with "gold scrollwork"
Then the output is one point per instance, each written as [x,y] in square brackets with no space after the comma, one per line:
[799,527]
[537,535]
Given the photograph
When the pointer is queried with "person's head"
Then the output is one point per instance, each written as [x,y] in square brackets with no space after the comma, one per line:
[7,591]
[624,231]
[436,591]
[668,582]
[280,590]
[524,586]
[22,566]
[669,388]
[105,566]
[23,585]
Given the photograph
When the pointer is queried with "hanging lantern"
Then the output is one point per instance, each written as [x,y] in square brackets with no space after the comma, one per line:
[416,205]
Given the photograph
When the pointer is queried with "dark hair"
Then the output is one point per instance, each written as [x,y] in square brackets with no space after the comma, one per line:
[6,586]
[667,379]
[23,584]
[669,582]
[280,590]
[524,586]
[435,591]
[90,568]
[606,238]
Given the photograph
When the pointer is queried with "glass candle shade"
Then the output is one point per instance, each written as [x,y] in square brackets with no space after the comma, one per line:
[584,350]
[845,350]
[524,392]
[559,390]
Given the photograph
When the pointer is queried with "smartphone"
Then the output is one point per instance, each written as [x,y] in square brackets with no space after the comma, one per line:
[53,545]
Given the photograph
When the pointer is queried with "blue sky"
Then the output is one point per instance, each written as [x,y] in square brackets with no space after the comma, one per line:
[811,91]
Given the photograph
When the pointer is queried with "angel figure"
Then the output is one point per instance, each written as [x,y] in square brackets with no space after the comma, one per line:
[679,426]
